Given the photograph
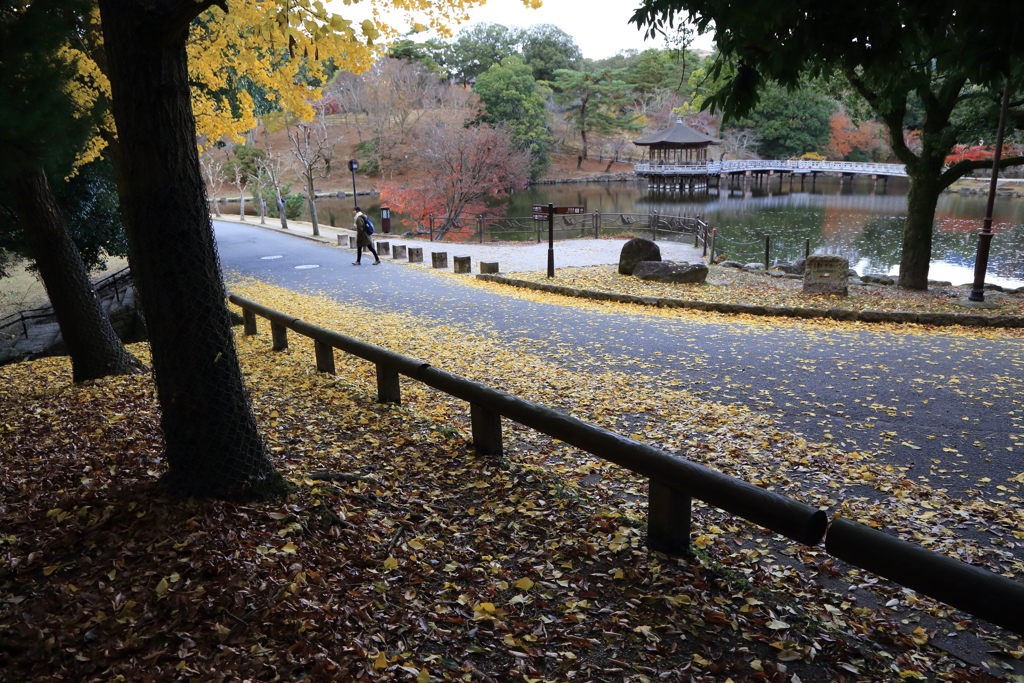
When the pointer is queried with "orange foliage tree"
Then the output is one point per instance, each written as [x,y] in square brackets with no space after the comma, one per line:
[850,140]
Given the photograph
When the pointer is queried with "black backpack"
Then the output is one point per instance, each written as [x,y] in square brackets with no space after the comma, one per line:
[369,224]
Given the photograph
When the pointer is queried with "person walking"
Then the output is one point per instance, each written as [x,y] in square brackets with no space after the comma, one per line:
[363,237]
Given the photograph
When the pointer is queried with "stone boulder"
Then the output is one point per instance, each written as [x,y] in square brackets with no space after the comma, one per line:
[753,266]
[731,264]
[672,272]
[877,279]
[636,250]
[790,268]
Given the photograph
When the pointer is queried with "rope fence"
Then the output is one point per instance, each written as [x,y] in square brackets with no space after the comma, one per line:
[673,481]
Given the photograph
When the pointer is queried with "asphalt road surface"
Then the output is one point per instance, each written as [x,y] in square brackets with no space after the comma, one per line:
[864,389]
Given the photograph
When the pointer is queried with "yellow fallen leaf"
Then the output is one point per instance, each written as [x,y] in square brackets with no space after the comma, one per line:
[381,662]
[162,587]
[525,583]
[390,563]
[777,625]
[289,548]
[49,570]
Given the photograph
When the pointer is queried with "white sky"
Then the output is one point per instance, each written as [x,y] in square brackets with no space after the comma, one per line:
[601,27]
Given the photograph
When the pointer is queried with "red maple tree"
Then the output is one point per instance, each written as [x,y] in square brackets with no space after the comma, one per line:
[464,171]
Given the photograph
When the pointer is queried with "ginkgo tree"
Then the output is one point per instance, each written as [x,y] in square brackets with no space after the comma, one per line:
[212,443]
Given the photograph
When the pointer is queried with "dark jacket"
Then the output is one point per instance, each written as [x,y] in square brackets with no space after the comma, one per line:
[362,238]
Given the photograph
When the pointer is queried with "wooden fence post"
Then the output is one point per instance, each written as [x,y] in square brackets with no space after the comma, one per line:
[388,388]
[280,336]
[486,431]
[249,320]
[668,520]
[324,357]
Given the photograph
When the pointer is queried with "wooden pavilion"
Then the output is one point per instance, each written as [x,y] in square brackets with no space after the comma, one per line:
[678,145]
[671,149]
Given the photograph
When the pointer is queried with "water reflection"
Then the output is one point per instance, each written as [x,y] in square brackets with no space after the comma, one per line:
[858,218]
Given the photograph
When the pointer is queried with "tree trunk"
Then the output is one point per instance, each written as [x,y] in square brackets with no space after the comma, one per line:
[280,208]
[212,445]
[94,347]
[241,210]
[312,206]
[916,256]
[216,207]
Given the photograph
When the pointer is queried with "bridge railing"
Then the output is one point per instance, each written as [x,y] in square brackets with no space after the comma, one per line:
[791,165]
[673,481]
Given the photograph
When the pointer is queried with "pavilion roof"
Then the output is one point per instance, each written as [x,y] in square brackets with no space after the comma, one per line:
[678,135]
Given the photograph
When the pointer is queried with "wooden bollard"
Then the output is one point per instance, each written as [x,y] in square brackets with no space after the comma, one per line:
[279,335]
[463,264]
[668,520]
[384,248]
[439,259]
[415,254]
[398,252]
[486,427]
[324,357]
[489,267]
[249,321]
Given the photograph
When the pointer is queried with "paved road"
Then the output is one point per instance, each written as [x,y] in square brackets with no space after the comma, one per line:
[864,389]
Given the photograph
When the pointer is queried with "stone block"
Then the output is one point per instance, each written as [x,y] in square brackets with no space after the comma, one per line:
[384,248]
[463,264]
[636,250]
[490,267]
[342,240]
[438,259]
[352,242]
[415,254]
[398,252]
[826,274]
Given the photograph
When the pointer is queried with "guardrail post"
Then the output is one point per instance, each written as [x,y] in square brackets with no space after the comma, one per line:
[654,226]
[388,388]
[324,357]
[486,430]
[249,322]
[280,335]
[668,520]
[431,227]
[480,227]
[597,224]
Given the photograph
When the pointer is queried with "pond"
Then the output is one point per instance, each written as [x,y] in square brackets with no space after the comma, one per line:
[860,220]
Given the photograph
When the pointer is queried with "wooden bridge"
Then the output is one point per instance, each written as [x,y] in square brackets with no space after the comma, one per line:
[758,171]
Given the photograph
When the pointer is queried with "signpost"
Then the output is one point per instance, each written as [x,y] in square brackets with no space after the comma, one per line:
[541,212]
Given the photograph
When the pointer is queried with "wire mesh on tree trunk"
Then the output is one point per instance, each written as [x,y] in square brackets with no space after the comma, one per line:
[213,447]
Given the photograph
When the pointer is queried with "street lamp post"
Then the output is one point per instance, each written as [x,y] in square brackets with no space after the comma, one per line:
[353,166]
[977,295]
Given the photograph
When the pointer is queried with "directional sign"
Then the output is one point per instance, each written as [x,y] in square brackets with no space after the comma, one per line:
[540,211]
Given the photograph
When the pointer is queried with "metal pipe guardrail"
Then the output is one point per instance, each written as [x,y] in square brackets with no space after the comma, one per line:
[972,589]
[673,480]
[687,479]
